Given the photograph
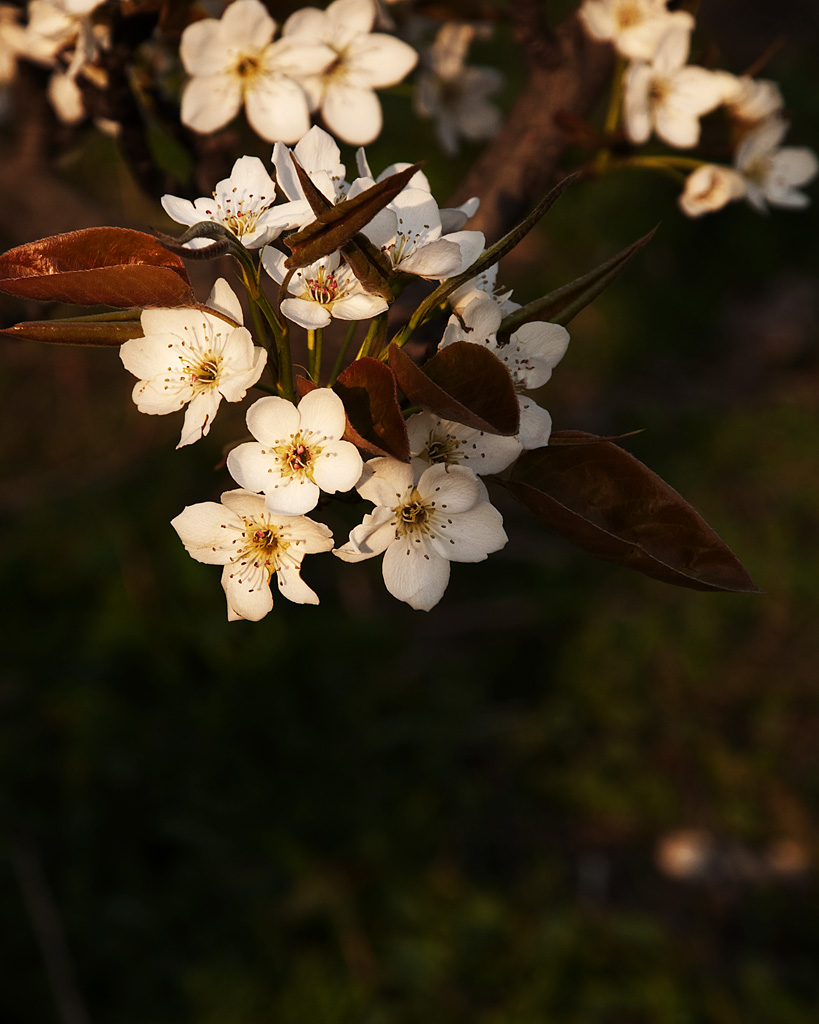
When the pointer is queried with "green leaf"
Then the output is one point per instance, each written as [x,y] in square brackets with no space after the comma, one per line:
[336,225]
[601,498]
[463,382]
[486,260]
[368,390]
[562,304]
[104,330]
[97,266]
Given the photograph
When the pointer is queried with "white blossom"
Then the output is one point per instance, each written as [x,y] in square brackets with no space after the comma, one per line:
[485,283]
[452,218]
[55,26]
[435,440]
[753,99]
[321,291]
[634,27]
[243,203]
[297,452]
[319,156]
[669,97]
[362,61]
[774,174]
[531,353]
[421,522]
[63,35]
[408,230]
[195,358]
[709,188]
[253,546]
[233,61]
[455,95]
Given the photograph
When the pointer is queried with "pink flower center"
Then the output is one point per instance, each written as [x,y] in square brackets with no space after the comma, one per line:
[323,287]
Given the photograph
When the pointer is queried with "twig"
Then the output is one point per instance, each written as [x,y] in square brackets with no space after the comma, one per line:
[45,920]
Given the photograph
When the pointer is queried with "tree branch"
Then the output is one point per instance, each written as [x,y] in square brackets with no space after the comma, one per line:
[520,163]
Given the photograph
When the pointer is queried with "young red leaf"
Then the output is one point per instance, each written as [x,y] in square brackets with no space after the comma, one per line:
[368,389]
[601,498]
[336,225]
[97,266]
[372,268]
[462,382]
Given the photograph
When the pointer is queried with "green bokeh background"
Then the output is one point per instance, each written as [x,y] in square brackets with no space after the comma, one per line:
[360,813]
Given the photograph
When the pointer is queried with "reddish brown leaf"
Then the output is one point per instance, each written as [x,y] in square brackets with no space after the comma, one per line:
[97,266]
[463,382]
[368,389]
[372,268]
[374,421]
[604,500]
[105,333]
[336,225]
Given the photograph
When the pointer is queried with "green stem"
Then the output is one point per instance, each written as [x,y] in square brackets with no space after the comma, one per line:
[380,337]
[261,331]
[371,333]
[348,339]
[315,340]
[688,163]
[283,357]
[612,122]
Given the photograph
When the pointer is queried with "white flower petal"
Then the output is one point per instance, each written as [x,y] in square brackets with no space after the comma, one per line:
[415,573]
[637,83]
[322,411]
[385,481]
[472,536]
[372,537]
[208,531]
[210,101]
[354,114]
[270,419]
[292,497]
[310,315]
[436,260]
[246,22]
[380,60]
[293,587]
[452,489]
[224,299]
[346,19]
[244,503]
[277,108]
[359,305]
[535,424]
[198,416]
[247,592]
[338,468]
[252,467]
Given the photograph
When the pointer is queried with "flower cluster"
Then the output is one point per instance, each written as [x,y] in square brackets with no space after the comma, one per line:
[415,441]
[327,61]
[457,96]
[664,95]
[431,507]
[63,35]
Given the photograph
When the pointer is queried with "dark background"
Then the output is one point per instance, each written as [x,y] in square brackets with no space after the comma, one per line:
[568,794]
